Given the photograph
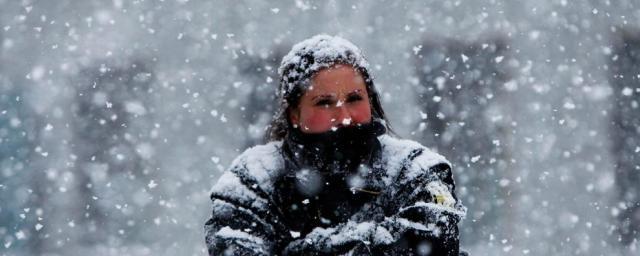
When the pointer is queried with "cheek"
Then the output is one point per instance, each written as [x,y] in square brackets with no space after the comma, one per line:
[361,113]
[317,120]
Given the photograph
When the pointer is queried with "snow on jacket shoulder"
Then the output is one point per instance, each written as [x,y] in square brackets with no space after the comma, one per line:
[415,210]
[242,221]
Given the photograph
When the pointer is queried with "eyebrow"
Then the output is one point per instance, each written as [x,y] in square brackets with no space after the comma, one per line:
[356,91]
[323,96]
[329,96]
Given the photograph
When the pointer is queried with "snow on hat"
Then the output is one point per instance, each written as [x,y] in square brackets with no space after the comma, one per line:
[309,56]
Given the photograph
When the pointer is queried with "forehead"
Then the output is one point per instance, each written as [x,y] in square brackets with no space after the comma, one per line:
[336,79]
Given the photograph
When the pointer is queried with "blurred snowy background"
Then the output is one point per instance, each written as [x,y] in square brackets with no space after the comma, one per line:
[116,117]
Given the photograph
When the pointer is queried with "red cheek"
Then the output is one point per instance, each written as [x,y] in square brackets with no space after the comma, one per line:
[317,121]
[361,114]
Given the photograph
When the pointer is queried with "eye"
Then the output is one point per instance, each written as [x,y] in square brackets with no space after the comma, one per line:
[354,98]
[324,103]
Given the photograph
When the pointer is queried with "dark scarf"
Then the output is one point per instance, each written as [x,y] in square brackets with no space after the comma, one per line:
[320,169]
[335,152]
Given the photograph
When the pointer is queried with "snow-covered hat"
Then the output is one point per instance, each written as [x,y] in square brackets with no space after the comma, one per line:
[311,55]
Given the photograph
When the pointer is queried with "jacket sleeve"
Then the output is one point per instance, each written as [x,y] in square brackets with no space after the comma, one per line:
[427,223]
[241,222]
[422,221]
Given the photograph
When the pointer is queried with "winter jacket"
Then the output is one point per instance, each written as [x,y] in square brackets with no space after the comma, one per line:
[402,203]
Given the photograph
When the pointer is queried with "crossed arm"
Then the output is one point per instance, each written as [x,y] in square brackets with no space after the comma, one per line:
[420,216]
[424,220]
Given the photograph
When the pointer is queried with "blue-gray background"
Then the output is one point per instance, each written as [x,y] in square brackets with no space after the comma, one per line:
[116,117]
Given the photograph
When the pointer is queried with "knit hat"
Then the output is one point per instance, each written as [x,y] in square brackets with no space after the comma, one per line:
[310,56]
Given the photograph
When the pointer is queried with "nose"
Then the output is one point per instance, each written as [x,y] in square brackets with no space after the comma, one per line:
[342,117]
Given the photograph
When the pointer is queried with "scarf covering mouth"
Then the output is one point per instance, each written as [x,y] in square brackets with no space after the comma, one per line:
[339,151]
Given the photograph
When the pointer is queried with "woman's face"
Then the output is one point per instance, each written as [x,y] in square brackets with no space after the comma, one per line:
[337,97]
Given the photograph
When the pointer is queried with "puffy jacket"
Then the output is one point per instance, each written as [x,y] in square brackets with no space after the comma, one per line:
[403,203]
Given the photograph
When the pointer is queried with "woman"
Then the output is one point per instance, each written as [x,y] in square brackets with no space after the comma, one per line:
[331,180]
